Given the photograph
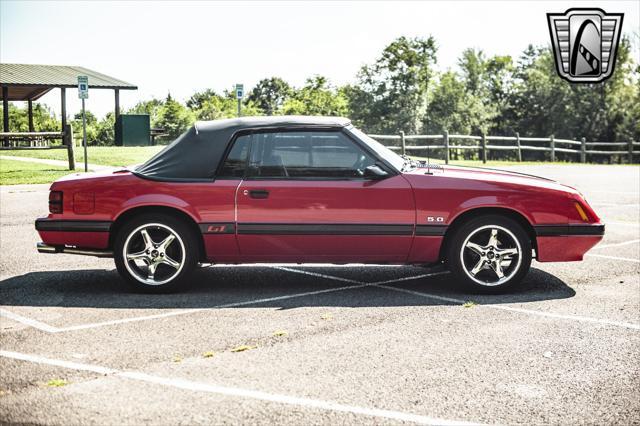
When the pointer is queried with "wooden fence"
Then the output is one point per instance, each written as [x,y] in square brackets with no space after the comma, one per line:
[581,150]
[40,141]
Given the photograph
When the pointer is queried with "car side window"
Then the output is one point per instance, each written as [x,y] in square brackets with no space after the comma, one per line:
[307,154]
[236,161]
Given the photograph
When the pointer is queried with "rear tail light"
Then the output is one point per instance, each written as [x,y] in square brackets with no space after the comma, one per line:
[55,202]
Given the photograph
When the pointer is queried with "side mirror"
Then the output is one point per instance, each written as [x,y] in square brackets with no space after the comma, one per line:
[375,172]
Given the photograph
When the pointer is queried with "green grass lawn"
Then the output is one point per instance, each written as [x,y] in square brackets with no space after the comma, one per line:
[19,172]
[100,155]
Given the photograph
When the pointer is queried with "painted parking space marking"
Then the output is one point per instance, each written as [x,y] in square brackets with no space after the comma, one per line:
[626,259]
[28,321]
[51,329]
[57,362]
[316,274]
[624,243]
[522,310]
[236,392]
[634,224]
[355,285]
[615,205]
[223,306]
[578,318]
[597,191]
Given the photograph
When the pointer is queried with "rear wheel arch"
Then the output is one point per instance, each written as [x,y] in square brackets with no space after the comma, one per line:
[483,211]
[131,213]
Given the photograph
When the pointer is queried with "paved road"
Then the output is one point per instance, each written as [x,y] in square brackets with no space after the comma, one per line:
[328,345]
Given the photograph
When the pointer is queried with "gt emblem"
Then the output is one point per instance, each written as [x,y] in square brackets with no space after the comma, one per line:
[216,228]
[435,219]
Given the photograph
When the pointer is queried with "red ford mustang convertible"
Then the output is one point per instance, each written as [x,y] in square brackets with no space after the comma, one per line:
[311,189]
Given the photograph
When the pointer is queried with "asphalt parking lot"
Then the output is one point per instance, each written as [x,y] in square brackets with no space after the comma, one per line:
[302,344]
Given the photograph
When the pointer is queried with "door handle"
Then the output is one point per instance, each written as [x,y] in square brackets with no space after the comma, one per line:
[257,193]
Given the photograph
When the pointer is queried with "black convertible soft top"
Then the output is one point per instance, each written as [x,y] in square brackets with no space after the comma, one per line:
[195,154]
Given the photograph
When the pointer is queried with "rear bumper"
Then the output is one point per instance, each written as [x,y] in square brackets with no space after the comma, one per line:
[45,248]
[566,243]
[79,233]
[61,225]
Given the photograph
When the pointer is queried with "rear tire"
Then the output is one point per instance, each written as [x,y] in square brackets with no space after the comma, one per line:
[156,253]
[489,254]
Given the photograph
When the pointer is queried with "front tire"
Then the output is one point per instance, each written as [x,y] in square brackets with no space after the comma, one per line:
[489,254]
[155,253]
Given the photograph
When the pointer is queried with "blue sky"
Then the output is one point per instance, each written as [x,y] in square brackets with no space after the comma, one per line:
[181,47]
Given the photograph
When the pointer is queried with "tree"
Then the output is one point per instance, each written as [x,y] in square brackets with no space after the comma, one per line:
[390,94]
[455,109]
[208,105]
[449,106]
[499,75]
[473,66]
[544,104]
[90,118]
[43,118]
[105,130]
[174,118]
[489,81]
[197,100]
[149,107]
[270,94]
[316,97]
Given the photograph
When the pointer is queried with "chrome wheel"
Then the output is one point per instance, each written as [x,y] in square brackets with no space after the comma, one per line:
[154,254]
[491,255]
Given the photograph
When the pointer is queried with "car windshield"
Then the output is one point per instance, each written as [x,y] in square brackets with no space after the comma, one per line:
[394,159]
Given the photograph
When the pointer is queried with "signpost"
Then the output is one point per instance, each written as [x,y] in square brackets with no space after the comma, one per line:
[239,96]
[83,93]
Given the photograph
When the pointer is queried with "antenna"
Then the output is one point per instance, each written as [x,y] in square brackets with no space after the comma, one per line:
[428,159]
[426,116]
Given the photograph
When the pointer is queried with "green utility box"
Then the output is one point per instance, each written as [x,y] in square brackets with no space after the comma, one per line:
[133,130]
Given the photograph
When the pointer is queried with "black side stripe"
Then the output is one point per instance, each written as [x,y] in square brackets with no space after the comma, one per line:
[430,230]
[72,225]
[323,229]
[566,230]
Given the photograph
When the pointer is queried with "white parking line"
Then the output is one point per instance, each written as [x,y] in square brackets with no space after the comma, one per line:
[315,274]
[615,205]
[28,321]
[626,259]
[579,318]
[624,243]
[223,306]
[635,224]
[57,362]
[356,284]
[521,310]
[612,192]
[237,392]
[51,329]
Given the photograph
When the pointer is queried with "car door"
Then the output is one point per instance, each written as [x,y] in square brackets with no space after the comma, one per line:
[304,199]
